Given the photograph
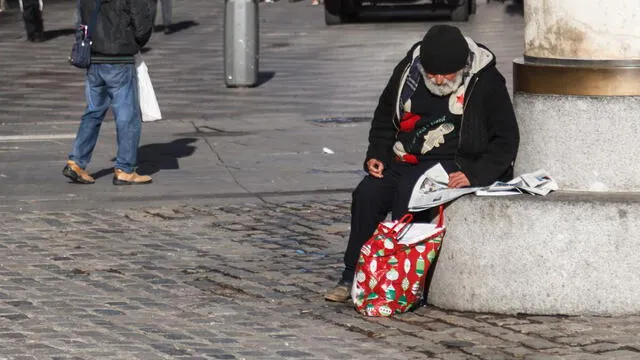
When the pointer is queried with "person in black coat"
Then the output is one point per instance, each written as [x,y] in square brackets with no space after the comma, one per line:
[446,102]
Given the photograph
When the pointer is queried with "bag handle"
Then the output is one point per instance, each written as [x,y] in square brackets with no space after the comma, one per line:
[398,226]
[440,216]
[94,17]
[406,219]
[402,223]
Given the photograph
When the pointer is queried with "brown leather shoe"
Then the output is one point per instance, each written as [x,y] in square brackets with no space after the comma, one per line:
[340,293]
[122,178]
[76,173]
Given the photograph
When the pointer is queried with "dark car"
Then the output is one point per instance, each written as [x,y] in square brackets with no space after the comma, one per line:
[341,11]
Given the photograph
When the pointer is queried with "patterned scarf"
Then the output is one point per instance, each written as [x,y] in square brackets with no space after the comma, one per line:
[411,83]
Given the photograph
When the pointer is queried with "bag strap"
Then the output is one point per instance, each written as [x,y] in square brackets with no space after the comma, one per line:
[78,14]
[94,18]
[440,216]
[406,219]
[402,223]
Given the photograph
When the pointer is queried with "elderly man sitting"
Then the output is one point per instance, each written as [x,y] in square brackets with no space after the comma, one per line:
[445,103]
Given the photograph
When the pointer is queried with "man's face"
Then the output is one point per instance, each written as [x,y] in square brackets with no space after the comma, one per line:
[444,84]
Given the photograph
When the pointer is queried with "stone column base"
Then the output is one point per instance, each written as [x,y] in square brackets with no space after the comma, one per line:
[573,253]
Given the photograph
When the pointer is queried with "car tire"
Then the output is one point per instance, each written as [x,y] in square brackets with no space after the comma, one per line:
[332,19]
[460,13]
[340,11]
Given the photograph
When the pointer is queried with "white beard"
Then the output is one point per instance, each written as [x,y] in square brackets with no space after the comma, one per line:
[447,87]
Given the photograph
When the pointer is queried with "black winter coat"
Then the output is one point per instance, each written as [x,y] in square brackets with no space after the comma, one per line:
[122,29]
[489,134]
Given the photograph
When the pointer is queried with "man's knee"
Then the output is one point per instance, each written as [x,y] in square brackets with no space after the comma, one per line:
[367,189]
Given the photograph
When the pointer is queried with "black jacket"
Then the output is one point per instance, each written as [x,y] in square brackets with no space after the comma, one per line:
[489,134]
[122,29]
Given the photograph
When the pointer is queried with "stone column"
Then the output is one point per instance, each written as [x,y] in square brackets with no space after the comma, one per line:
[575,251]
[576,91]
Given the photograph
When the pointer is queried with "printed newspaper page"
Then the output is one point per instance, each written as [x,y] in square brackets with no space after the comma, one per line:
[535,183]
[431,188]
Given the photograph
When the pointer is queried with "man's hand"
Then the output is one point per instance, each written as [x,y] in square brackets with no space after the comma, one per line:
[458,179]
[375,168]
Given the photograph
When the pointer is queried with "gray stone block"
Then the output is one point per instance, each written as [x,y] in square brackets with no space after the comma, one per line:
[566,253]
[585,143]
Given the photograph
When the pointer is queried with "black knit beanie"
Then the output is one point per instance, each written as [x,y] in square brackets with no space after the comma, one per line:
[444,50]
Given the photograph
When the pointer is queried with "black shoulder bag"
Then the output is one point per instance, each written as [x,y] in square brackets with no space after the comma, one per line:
[81,49]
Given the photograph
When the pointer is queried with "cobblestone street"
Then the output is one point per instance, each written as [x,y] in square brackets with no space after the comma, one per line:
[237,282]
[228,253]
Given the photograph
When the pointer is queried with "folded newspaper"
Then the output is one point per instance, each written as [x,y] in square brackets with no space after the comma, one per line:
[431,188]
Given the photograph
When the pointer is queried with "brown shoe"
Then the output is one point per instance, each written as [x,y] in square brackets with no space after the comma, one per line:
[76,173]
[122,178]
[340,293]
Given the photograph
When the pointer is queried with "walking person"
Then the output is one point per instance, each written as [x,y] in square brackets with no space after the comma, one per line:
[32,17]
[123,28]
[446,102]
[166,8]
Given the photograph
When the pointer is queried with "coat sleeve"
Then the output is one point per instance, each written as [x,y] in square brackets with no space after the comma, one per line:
[382,134]
[504,136]
[142,20]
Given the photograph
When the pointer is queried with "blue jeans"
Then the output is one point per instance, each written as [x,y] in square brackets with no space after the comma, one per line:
[114,85]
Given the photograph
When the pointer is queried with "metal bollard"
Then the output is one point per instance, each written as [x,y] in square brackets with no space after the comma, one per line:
[241,43]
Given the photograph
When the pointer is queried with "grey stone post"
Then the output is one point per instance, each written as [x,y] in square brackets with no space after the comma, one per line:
[241,43]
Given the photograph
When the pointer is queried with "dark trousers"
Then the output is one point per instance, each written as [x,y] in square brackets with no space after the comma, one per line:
[165,9]
[166,12]
[32,17]
[372,200]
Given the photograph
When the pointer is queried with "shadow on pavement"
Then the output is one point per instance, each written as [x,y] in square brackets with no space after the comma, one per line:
[515,8]
[52,34]
[265,76]
[175,27]
[398,16]
[160,156]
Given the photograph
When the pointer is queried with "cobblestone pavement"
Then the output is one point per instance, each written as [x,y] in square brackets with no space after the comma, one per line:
[240,281]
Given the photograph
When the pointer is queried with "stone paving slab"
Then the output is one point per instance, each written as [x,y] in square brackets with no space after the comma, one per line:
[187,160]
[241,281]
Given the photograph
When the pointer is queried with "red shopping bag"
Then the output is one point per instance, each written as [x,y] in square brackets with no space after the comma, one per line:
[393,264]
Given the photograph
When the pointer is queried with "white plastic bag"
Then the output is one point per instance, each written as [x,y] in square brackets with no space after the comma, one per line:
[147,96]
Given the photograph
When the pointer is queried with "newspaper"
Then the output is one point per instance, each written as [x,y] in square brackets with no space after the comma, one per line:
[535,183]
[431,188]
